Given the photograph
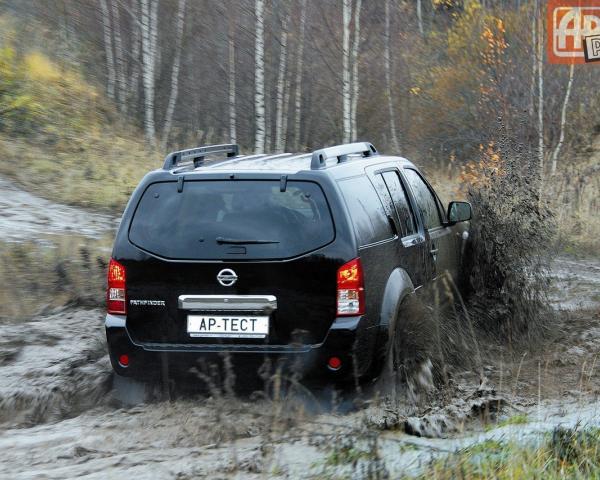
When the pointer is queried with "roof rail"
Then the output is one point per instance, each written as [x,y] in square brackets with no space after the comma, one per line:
[319,157]
[197,154]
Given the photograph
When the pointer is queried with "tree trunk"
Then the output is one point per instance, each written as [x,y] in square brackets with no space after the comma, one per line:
[231,79]
[121,82]
[136,40]
[420,16]
[355,81]
[540,74]
[286,105]
[149,36]
[346,93]
[259,78]
[388,80]
[299,65]
[534,61]
[563,120]
[281,75]
[180,24]
[108,49]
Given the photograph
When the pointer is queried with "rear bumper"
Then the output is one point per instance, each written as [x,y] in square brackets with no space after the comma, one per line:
[146,358]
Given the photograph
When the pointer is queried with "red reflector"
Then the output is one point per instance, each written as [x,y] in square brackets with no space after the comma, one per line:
[334,363]
[350,289]
[115,293]
[124,360]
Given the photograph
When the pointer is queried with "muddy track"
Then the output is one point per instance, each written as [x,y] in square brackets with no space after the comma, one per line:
[24,216]
[61,415]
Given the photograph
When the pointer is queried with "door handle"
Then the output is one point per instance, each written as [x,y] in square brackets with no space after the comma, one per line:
[434,252]
[393,225]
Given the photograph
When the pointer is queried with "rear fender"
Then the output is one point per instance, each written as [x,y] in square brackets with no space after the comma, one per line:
[398,287]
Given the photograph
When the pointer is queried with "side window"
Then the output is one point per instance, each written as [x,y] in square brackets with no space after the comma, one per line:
[367,213]
[424,198]
[394,186]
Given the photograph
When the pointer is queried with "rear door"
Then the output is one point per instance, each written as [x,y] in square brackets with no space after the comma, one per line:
[234,251]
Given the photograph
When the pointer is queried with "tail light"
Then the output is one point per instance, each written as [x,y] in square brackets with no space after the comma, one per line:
[115,292]
[350,289]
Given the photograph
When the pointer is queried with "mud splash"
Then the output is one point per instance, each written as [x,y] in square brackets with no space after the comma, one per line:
[52,368]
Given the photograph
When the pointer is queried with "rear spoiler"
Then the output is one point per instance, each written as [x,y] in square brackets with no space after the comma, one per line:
[196,155]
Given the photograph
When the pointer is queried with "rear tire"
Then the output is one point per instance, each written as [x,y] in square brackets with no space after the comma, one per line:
[408,362]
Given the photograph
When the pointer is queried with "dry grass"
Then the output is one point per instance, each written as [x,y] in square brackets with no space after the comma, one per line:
[36,278]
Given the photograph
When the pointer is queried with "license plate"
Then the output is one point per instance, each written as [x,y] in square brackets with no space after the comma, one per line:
[227,326]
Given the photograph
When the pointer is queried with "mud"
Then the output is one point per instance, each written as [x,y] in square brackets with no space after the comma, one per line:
[24,216]
[63,415]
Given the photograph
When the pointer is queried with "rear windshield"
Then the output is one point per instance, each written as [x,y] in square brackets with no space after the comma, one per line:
[215,219]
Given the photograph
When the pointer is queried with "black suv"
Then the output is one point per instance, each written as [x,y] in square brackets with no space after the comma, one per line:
[299,255]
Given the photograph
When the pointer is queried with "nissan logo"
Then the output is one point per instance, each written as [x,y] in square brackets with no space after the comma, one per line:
[227,277]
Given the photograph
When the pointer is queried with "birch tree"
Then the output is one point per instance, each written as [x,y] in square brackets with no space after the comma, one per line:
[136,41]
[259,78]
[563,119]
[120,63]
[231,79]
[281,81]
[299,66]
[540,75]
[180,24]
[355,81]
[149,28]
[108,49]
[388,80]
[346,92]
[420,16]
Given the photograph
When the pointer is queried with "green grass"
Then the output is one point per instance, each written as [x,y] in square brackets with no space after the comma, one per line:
[519,419]
[563,454]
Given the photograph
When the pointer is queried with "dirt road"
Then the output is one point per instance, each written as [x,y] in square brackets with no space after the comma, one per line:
[24,216]
[62,417]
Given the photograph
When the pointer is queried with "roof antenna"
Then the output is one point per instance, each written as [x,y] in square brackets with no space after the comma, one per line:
[283,183]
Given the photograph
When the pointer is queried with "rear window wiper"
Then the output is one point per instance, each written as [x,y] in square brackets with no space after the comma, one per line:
[241,241]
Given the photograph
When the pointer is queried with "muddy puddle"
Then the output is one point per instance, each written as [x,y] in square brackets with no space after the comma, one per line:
[26,217]
[63,415]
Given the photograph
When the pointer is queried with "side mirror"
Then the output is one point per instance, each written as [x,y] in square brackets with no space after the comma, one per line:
[459,212]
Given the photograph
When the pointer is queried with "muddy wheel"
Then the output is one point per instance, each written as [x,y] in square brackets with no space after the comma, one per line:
[408,357]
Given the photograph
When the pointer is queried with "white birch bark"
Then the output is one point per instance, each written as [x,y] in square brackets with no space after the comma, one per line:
[355,80]
[388,80]
[149,23]
[121,82]
[420,16]
[281,75]
[534,62]
[563,120]
[259,78]
[179,26]
[346,93]
[136,42]
[231,79]
[108,49]
[299,66]
[540,76]
[286,105]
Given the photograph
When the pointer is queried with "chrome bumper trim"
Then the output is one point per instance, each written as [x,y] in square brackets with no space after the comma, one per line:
[250,303]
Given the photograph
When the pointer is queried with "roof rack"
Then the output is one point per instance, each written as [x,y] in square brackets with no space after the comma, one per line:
[319,157]
[197,154]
